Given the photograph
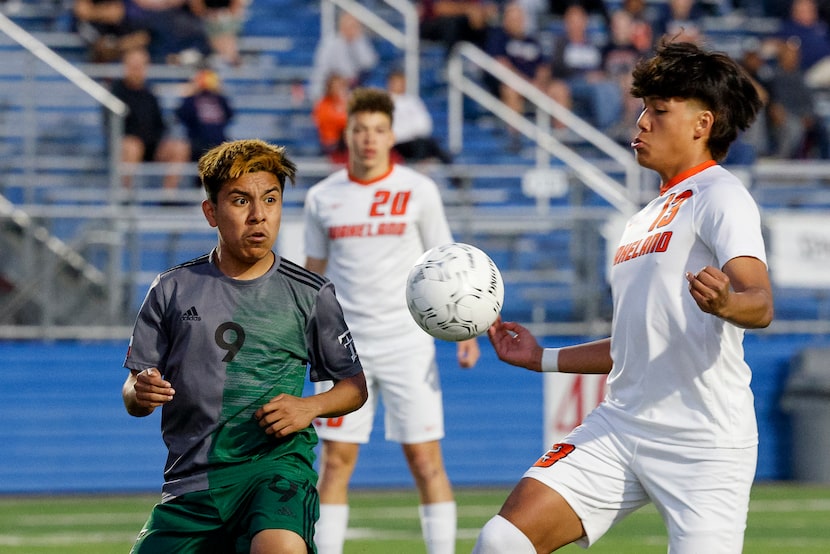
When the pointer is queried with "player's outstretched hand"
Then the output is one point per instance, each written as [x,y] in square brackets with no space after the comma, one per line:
[285,414]
[515,345]
[151,391]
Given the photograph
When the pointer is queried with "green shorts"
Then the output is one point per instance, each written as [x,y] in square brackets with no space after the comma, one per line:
[225,518]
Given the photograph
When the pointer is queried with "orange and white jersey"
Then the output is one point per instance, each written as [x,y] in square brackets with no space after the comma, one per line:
[372,233]
[679,373]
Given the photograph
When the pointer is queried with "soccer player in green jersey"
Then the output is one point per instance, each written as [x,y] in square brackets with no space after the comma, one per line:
[222,344]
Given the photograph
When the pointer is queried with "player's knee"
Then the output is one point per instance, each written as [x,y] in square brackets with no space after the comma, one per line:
[499,536]
[424,468]
[340,454]
[425,458]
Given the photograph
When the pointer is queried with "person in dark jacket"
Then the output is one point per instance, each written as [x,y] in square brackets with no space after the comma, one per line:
[205,113]
[145,130]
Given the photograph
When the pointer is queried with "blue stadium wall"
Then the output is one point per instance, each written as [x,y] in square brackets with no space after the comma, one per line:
[63,428]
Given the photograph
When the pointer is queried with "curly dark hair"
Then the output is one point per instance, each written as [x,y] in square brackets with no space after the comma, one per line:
[370,99]
[684,70]
[231,160]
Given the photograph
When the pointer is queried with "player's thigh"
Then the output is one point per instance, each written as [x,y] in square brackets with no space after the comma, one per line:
[188,524]
[354,427]
[282,502]
[531,498]
[278,540]
[590,469]
[702,494]
[412,398]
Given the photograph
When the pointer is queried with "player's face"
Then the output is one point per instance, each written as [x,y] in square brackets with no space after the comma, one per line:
[247,215]
[670,135]
[369,139]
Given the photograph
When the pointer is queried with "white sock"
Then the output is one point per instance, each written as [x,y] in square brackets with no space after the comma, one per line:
[499,536]
[438,523]
[330,531]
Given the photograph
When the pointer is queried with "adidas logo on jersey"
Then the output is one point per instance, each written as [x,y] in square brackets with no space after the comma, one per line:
[191,315]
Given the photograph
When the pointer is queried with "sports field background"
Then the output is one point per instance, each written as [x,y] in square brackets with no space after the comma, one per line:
[69,454]
[783,519]
[64,428]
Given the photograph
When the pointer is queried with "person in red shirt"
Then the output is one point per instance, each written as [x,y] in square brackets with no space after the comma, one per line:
[330,117]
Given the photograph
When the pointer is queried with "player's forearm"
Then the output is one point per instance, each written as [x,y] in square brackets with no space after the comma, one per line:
[750,309]
[590,357]
[344,397]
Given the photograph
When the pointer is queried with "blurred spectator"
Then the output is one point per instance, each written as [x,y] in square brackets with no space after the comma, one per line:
[177,36]
[682,21]
[591,7]
[519,52]
[757,136]
[205,113]
[535,12]
[768,8]
[223,20]
[103,26]
[452,21]
[798,131]
[804,24]
[577,61]
[644,17]
[145,131]
[329,115]
[348,53]
[412,124]
[619,56]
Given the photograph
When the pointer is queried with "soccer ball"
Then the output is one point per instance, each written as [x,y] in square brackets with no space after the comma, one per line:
[454,292]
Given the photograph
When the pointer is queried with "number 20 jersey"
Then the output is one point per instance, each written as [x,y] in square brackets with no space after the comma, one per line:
[229,346]
[372,233]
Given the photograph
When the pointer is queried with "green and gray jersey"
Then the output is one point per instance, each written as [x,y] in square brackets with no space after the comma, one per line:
[228,347]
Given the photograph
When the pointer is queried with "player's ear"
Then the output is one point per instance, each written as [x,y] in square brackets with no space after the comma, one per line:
[209,209]
[704,123]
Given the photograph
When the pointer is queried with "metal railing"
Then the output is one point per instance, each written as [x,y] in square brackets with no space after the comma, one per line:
[623,196]
[116,108]
[116,228]
[407,40]
[35,56]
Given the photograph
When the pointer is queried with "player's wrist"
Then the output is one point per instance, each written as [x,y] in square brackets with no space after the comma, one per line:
[550,360]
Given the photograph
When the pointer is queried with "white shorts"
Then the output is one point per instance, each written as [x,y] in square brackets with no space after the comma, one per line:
[408,384]
[701,493]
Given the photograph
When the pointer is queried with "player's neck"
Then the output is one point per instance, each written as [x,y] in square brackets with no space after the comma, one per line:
[369,174]
[240,269]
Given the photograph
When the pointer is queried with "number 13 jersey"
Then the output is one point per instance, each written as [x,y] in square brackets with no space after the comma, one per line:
[679,374]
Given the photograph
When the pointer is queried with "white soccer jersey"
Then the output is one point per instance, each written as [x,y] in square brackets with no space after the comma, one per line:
[372,233]
[679,374]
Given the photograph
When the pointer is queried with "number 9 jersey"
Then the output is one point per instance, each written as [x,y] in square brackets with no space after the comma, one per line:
[229,346]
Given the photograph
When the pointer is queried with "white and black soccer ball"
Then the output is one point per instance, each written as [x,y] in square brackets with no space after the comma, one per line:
[454,292]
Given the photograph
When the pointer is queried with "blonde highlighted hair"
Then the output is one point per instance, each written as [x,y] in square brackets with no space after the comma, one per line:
[231,160]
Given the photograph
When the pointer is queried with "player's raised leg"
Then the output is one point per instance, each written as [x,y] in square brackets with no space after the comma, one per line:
[537,518]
